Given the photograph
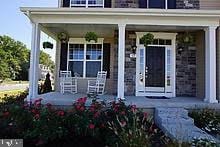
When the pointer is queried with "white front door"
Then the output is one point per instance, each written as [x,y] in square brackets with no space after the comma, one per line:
[155,66]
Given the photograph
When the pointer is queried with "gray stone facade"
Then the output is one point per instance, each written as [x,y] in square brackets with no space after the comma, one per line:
[187,4]
[126,3]
[130,64]
[185,68]
[186,72]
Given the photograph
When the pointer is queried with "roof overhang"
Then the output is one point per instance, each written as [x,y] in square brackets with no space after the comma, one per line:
[129,16]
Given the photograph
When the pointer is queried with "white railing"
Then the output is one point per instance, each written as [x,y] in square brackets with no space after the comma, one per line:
[87,3]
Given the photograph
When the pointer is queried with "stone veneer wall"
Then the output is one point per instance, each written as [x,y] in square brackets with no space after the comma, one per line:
[185,68]
[192,4]
[186,72]
[130,64]
[180,4]
[126,3]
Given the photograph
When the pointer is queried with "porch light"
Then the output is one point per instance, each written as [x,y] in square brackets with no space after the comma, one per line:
[133,51]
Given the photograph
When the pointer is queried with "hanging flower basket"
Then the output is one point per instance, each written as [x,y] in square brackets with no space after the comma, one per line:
[147,39]
[91,36]
[63,37]
[47,45]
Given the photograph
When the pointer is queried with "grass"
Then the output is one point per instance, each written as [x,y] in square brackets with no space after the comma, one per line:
[10,93]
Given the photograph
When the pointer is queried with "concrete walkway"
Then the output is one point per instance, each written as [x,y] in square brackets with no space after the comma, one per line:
[13,87]
[176,123]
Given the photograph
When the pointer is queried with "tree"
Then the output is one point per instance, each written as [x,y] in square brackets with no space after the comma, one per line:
[15,57]
[45,59]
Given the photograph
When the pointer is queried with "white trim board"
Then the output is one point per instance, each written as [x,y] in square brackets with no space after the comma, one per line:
[169,90]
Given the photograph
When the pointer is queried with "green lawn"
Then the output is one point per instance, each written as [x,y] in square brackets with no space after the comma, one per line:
[10,92]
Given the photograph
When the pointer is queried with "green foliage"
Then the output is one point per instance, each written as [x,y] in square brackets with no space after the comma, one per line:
[95,125]
[147,39]
[208,120]
[46,60]
[91,36]
[47,45]
[204,143]
[14,59]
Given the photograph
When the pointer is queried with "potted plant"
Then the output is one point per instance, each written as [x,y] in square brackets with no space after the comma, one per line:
[47,45]
[147,39]
[91,36]
[63,37]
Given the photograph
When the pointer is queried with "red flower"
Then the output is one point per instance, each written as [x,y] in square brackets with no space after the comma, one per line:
[34,111]
[96,114]
[133,108]
[91,126]
[123,124]
[78,107]
[82,108]
[60,113]
[48,105]
[82,100]
[37,116]
[145,115]
[5,114]
[102,126]
[123,113]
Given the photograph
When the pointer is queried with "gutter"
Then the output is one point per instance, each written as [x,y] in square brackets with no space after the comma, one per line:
[121,12]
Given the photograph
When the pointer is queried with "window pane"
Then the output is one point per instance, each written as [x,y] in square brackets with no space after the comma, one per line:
[78,1]
[171,4]
[155,42]
[161,42]
[157,4]
[76,51]
[92,68]
[76,67]
[168,42]
[94,52]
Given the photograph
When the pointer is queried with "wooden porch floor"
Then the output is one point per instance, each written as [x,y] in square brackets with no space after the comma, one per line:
[56,98]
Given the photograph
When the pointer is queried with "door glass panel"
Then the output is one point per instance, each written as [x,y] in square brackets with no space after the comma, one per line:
[168,67]
[141,67]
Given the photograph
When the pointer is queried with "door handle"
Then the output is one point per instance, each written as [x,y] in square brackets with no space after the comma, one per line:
[146,69]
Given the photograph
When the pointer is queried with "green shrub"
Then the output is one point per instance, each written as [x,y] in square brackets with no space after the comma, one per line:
[208,120]
[96,125]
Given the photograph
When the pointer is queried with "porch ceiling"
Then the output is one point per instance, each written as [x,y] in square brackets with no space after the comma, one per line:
[76,30]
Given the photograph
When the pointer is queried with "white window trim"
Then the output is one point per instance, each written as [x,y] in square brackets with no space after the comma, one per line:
[87,4]
[83,41]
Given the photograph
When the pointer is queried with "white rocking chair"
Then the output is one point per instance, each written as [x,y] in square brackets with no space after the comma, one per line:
[67,83]
[97,86]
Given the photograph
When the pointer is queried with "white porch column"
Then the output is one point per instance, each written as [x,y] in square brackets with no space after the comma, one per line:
[210,65]
[34,62]
[121,60]
[57,66]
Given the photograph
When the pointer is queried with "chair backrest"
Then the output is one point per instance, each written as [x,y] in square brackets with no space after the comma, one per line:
[65,74]
[101,77]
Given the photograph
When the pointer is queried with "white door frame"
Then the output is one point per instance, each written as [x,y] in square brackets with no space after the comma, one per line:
[168,90]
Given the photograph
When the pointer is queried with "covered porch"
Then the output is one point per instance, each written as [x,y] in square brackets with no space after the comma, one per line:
[58,99]
[123,78]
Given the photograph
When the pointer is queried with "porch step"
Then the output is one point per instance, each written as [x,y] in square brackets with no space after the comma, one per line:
[176,123]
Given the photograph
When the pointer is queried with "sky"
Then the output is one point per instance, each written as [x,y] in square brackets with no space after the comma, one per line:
[16,25]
